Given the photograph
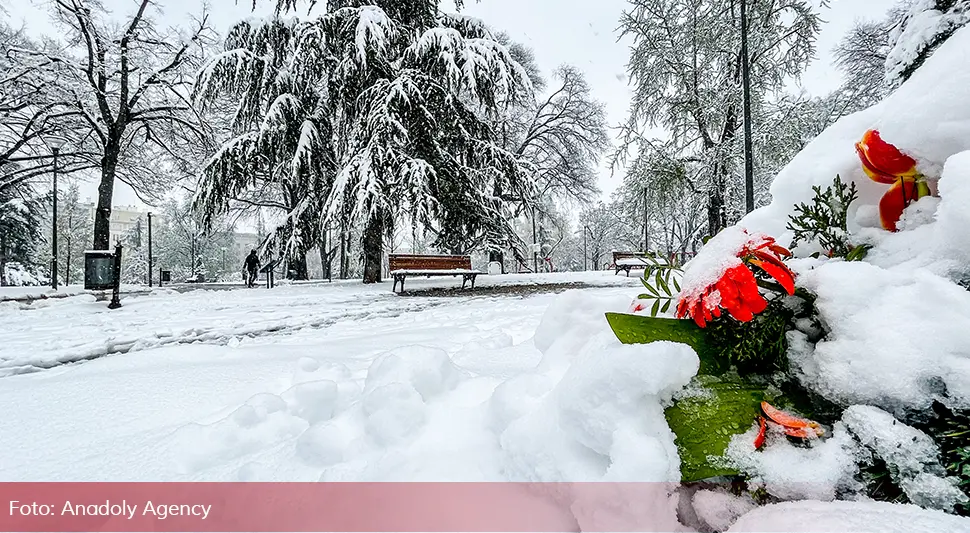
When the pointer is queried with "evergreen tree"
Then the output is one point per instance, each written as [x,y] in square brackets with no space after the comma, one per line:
[21,216]
[926,25]
[364,113]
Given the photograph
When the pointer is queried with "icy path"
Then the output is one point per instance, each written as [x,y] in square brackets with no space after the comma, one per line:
[52,332]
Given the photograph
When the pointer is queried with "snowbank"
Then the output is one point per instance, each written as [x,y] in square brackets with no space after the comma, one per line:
[899,324]
[928,117]
[844,517]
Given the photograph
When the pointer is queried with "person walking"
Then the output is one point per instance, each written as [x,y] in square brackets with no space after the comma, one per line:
[252,268]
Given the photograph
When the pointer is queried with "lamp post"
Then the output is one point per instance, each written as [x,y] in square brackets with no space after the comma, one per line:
[149,249]
[746,101]
[55,142]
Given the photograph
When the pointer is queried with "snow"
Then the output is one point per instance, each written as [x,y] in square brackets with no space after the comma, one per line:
[898,324]
[716,257]
[718,510]
[928,117]
[817,472]
[881,323]
[912,456]
[923,26]
[844,516]
[432,272]
[632,261]
[334,382]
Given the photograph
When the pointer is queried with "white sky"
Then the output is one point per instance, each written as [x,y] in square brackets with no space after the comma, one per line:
[578,32]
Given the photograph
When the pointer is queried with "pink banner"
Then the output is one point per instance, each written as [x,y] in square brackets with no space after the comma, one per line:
[338,507]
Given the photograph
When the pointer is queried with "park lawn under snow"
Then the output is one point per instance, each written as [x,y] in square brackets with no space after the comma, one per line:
[351,383]
[269,384]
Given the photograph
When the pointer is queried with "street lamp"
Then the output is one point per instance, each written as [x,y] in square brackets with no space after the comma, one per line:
[149,249]
[54,142]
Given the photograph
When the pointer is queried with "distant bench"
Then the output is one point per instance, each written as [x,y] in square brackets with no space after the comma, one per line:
[402,266]
[627,261]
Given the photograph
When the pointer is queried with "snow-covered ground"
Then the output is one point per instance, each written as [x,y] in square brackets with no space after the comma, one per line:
[296,383]
[345,382]
[54,331]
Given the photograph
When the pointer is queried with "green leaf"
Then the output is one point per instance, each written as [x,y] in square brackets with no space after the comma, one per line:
[676,285]
[639,329]
[646,297]
[666,306]
[704,424]
[655,309]
[663,285]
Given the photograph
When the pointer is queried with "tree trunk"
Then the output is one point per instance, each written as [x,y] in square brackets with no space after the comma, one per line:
[102,216]
[326,262]
[297,267]
[372,243]
[3,260]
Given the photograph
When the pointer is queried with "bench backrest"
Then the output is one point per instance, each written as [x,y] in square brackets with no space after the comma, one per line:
[430,262]
[629,255]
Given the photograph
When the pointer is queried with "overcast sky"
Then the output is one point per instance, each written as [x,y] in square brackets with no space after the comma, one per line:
[578,32]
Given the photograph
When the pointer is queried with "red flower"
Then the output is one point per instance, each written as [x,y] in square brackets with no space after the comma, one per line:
[736,291]
[884,163]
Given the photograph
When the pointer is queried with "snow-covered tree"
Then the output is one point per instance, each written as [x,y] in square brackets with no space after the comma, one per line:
[926,25]
[603,229]
[121,93]
[21,215]
[685,68]
[861,56]
[367,113]
[27,110]
[74,230]
[185,245]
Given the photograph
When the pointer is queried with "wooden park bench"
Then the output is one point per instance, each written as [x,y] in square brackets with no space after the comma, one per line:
[402,266]
[627,261]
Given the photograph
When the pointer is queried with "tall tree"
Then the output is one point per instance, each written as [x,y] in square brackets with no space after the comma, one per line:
[32,107]
[396,123]
[861,56]
[686,71]
[122,90]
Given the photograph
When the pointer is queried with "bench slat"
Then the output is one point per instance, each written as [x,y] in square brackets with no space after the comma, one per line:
[430,262]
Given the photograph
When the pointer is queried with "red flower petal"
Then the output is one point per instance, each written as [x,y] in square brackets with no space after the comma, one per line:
[874,173]
[781,273]
[785,419]
[884,157]
[896,199]
[759,441]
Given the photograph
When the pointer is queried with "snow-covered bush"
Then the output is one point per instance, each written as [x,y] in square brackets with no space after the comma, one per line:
[17,274]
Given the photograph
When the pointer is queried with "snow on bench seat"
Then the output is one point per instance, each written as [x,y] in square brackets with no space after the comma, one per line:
[431,272]
[632,261]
